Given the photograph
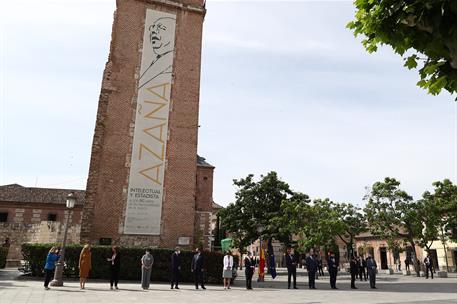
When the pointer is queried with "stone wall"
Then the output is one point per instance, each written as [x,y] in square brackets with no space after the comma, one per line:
[37,232]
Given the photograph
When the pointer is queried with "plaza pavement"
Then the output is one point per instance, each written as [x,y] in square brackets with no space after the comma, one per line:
[391,289]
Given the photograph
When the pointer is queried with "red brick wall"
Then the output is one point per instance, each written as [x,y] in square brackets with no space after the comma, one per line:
[111,151]
[204,189]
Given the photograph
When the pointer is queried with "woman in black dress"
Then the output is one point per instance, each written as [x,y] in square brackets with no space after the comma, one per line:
[115,266]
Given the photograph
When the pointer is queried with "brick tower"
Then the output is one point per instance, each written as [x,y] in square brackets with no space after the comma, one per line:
[142,183]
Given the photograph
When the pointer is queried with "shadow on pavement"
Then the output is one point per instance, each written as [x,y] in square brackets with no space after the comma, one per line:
[413,287]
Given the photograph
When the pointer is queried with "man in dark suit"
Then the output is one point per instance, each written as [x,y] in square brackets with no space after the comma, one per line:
[249,266]
[362,266]
[332,269]
[354,269]
[197,268]
[407,263]
[291,263]
[428,265]
[175,268]
[320,267]
[311,266]
[371,269]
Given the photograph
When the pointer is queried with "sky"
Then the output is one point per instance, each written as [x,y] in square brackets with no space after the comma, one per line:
[285,87]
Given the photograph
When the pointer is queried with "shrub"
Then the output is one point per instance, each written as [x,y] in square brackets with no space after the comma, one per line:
[3,254]
[35,255]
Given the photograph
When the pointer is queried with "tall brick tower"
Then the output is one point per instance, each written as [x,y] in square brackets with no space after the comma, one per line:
[142,182]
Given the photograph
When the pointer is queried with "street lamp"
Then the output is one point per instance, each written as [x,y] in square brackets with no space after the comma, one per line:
[71,201]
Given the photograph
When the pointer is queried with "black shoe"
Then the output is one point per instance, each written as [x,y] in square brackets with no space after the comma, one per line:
[295,287]
[353,287]
[203,287]
[373,287]
[171,287]
[176,287]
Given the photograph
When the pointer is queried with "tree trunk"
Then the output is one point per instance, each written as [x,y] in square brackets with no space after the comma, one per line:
[443,241]
[415,259]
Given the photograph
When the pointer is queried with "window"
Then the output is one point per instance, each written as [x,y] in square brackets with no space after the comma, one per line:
[105,241]
[52,217]
[3,217]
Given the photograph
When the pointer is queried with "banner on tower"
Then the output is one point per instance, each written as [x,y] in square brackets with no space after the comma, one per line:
[147,166]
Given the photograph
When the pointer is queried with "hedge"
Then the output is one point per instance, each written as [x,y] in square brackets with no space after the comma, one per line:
[35,255]
[3,254]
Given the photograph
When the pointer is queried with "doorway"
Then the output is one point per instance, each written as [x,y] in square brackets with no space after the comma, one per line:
[434,256]
[383,255]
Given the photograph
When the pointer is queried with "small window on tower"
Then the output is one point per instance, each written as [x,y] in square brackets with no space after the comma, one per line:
[3,217]
[105,241]
[52,217]
[205,178]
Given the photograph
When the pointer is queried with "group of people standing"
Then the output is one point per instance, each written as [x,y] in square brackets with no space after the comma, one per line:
[147,262]
[314,267]
[357,268]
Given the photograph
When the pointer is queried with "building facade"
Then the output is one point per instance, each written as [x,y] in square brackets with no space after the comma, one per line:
[36,215]
[388,259]
[142,183]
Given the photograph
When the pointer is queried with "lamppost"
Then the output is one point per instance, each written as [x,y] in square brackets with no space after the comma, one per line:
[71,200]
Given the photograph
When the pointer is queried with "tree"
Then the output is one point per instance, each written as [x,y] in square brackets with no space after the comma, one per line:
[443,203]
[319,223]
[420,31]
[351,222]
[429,214]
[257,205]
[392,215]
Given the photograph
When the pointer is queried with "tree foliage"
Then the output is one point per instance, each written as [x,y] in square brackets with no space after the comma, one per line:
[392,215]
[319,223]
[257,205]
[423,32]
[442,204]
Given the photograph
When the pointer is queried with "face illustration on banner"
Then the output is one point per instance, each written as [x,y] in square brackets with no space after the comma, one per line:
[160,34]
[162,42]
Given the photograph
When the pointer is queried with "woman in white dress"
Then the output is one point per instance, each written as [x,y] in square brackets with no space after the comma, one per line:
[227,271]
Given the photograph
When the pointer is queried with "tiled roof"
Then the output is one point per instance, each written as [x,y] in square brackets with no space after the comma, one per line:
[19,194]
[201,161]
[216,206]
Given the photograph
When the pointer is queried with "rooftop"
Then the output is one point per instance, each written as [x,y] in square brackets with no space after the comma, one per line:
[201,162]
[20,194]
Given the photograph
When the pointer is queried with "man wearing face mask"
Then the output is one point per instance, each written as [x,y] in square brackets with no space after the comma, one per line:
[175,268]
